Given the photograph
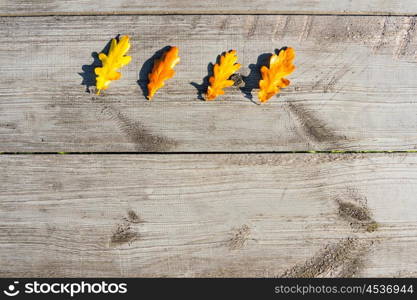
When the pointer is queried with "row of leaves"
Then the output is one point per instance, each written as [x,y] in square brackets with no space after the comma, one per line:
[272,80]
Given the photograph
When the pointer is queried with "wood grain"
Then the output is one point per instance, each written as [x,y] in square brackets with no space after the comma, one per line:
[84,7]
[354,87]
[207,215]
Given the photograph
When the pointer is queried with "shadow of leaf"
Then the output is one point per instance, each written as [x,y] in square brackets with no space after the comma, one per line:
[252,80]
[202,88]
[88,75]
[147,68]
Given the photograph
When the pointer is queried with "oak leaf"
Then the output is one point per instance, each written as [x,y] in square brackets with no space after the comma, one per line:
[113,61]
[221,75]
[162,70]
[273,77]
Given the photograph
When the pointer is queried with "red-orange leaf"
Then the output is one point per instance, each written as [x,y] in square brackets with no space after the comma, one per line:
[221,75]
[273,77]
[162,70]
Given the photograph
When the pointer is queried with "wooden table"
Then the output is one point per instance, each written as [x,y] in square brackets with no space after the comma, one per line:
[115,185]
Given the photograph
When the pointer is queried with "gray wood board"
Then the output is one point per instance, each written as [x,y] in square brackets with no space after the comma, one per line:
[84,7]
[354,87]
[208,215]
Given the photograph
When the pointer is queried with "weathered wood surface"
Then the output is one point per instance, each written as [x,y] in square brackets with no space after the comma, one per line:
[208,215]
[354,89]
[87,7]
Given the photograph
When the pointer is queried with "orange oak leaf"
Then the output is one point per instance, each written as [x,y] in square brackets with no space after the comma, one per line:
[113,61]
[273,77]
[162,70]
[221,74]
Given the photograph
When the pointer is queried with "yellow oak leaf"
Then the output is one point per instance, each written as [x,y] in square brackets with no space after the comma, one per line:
[162,70]
[273,77]
[113,61]
[221,74]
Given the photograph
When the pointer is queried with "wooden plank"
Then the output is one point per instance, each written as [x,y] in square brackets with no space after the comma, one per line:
[84,7]
[354,88]
[208,215]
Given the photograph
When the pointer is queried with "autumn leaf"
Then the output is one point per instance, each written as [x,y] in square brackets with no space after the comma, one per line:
[162,70]
[112,62]
[221,75]
[273,77]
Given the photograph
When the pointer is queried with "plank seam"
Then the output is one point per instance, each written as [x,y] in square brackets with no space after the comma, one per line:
[73,14]
[209,152]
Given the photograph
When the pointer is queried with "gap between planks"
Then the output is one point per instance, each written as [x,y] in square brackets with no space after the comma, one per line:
[212,152]
[192,13]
